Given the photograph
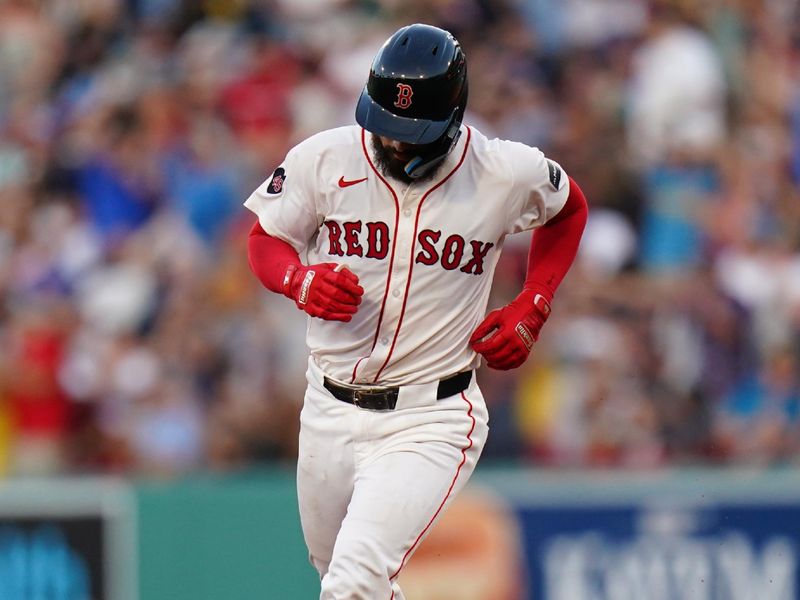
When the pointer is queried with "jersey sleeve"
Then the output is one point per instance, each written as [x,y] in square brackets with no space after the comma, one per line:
[285,203]
[539,187]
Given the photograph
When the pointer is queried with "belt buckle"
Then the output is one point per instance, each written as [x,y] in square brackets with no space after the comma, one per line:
[371,398]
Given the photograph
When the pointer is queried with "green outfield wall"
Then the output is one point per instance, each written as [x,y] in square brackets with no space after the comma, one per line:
[236,538]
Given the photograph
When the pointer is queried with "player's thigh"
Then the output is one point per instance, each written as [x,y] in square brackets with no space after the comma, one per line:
[324,472]
[399,495]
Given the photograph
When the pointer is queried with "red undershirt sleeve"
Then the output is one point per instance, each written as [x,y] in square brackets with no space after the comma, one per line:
[554,245]
[269,257]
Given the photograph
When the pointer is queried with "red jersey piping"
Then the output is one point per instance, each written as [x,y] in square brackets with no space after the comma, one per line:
[413,249]
[391,258]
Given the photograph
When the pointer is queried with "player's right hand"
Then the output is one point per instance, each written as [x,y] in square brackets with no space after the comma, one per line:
[324,290]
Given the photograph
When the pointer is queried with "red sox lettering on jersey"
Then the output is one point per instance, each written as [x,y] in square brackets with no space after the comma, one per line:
[346,239]
[414,247]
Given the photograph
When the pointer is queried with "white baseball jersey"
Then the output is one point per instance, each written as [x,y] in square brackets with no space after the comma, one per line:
[425,253]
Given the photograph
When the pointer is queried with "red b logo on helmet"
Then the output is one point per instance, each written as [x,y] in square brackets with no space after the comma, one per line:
[404,93]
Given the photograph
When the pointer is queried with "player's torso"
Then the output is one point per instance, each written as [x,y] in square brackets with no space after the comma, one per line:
[424,253]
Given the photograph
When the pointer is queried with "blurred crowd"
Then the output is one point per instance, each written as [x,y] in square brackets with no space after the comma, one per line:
[136,341]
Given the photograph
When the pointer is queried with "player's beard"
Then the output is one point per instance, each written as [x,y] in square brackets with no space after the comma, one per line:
[391,166]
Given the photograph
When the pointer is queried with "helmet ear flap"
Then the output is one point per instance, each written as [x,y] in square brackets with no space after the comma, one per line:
[420,165]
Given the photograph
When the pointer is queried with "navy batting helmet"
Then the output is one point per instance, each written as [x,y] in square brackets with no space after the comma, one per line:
[417,92]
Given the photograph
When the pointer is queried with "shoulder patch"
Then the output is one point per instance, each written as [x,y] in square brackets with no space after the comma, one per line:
[555,173]
[278,179]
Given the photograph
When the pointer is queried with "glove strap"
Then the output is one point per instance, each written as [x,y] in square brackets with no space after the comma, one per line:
[541,303]
[523,329]
[288,277]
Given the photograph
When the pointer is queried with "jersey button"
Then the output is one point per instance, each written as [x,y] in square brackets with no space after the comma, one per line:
[384,341]
[396,293]
[407,212]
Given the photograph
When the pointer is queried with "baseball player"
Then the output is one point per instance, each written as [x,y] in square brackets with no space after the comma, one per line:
[401,221]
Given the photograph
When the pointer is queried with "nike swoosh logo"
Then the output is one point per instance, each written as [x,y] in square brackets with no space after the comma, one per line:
[344,184]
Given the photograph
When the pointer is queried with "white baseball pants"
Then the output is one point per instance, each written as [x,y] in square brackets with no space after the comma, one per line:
[372,484]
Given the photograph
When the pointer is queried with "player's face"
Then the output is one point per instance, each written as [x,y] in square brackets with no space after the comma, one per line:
[392,157]
[398,150]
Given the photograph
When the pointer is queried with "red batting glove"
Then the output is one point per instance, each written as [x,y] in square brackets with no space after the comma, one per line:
[321,291]
[511,331]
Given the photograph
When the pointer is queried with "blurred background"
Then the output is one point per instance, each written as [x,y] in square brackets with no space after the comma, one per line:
[138,348]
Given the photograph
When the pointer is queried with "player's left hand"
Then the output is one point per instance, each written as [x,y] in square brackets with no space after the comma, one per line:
[507,334]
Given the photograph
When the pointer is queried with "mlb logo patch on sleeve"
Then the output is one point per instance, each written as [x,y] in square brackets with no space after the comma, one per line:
[555,173]
[276,183]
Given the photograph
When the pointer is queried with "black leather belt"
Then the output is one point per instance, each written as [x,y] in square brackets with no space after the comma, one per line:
[385,398]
